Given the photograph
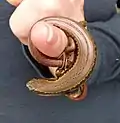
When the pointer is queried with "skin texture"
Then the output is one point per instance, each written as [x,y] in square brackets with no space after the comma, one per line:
[53,40]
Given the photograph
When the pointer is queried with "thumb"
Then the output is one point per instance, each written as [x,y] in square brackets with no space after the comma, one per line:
[48,39]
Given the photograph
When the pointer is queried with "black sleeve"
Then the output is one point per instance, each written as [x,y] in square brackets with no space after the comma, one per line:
[99,10]
[107,38]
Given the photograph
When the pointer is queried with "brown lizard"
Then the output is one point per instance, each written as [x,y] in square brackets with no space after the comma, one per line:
[72,80]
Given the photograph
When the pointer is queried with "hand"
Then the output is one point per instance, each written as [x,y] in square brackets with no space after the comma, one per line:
[48,39]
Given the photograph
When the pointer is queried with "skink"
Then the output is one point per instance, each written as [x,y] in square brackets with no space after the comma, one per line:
[74,77]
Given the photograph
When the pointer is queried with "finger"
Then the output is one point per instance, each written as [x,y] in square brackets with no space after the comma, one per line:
[14,2]
[48,39]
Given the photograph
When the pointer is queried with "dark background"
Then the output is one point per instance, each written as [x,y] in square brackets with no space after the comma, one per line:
[18,105]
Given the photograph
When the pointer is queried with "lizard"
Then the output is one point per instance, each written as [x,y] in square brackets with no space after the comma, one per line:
[71,81]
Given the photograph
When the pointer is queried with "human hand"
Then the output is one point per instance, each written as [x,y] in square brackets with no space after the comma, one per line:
[48,39]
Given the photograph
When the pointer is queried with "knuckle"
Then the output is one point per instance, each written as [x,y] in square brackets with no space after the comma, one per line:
[16,27]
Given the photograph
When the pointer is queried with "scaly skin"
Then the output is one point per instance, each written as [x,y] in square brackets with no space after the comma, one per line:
[78,73]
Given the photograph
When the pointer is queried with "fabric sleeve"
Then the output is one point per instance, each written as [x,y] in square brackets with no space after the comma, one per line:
[107,38]
[99,10]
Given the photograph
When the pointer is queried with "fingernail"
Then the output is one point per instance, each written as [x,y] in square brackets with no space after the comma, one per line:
[48,39]
[45,33]
[39,33]
[52,35]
